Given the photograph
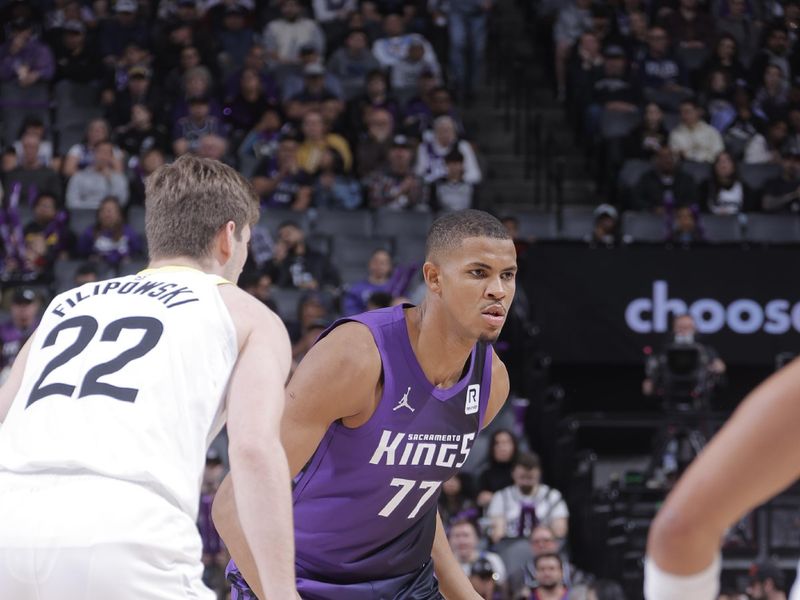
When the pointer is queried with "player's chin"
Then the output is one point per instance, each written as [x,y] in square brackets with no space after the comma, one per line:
[489,336]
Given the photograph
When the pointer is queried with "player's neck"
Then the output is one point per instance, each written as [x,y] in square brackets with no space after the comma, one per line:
[183,261]
[441,354]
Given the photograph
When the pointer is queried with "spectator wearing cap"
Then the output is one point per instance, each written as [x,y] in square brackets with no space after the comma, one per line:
[280,182]
[483,577]
[110,239]
[76,61]
[393,47]
[515,510]
[782,193]
[451,191]
[465,542]
[24,60]
[396,187]
[116,79]
[430,163]
[382,276]
[138,90]
[199,122]
[81,155]
[613,92]
[125,27]
[694,139]
[665,185]
[352,62]
[605,230]
[235,37]
[245,109]
[314,92]
[25,305]
[372,148]
[88,187]
[316,139]
[283,37]
[767,582]
[31,176]
[767,147]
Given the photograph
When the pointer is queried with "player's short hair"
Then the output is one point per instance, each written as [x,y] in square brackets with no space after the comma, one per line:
[189,201]
[449,230]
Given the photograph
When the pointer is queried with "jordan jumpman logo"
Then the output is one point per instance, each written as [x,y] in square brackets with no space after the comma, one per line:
[404,402]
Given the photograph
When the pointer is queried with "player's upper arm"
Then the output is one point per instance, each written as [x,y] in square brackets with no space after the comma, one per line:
[9,389]
[256,390]
[499,392]
[338,378]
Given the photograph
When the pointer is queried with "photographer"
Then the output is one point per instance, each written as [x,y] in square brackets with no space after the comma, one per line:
[685,370]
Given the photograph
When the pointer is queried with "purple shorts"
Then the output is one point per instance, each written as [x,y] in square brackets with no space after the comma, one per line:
[419,585]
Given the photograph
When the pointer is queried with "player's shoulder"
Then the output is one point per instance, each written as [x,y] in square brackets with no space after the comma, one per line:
[500,381]
[248,313]
[348,347]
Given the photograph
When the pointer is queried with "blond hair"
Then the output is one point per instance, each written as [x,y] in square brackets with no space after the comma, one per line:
[189,201]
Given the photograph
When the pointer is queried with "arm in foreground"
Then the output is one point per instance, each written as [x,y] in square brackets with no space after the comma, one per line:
[326,372]
[9,389]
[259,468]
[453,583]
[753,457]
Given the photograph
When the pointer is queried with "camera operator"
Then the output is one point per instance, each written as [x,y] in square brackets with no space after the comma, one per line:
[685,370]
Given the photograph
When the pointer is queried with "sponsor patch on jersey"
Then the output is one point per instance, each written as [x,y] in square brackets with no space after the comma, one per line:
[472,404]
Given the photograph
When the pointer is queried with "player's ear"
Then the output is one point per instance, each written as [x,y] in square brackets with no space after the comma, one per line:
[225,239]
[432,277]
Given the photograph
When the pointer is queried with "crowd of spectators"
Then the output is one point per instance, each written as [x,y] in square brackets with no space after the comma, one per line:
[688,108]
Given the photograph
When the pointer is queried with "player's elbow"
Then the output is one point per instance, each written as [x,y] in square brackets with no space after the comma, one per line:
[671,530]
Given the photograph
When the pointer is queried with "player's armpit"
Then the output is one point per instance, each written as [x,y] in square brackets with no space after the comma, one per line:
[453,583]
[9,389]
[500,389]
[337,379]
[754,456]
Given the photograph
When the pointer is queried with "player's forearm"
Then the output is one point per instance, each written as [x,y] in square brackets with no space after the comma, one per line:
[453,584]
[262,493]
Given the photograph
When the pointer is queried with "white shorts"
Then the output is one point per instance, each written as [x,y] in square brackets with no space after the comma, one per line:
[85,537]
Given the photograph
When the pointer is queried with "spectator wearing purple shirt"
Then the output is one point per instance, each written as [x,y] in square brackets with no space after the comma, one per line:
[110,239]
[24,60]
[25,304]
[382,276]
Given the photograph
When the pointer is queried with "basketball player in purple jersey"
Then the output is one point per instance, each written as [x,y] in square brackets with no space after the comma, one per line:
[382,410]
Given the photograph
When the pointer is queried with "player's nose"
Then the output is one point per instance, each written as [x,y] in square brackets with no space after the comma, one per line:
[495,288]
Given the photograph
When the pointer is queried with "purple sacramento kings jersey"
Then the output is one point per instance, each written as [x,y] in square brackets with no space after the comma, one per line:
[365,506]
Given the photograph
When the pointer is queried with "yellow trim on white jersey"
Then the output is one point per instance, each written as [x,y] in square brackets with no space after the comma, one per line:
[173,268]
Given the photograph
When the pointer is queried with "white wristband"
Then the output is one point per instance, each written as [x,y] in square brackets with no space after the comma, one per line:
[660,585]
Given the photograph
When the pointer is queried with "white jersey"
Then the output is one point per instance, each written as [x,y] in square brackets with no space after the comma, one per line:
[126,378]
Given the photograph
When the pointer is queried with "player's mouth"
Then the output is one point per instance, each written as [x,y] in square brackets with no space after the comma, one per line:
[494,315]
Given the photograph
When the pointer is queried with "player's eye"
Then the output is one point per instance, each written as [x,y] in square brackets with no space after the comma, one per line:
[478,273]
[508,275]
